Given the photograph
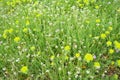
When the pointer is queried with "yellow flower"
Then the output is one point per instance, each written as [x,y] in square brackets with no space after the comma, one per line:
[81,5]
[8,2]
[38,52]
[10,30]
[103,36]
[111,51]
[17,22]
[90,35]
[110,28]
[97,20]
[109,43]
[4,36]
[97,65]
[36,3]
[27,22]
[66,57]
[5,33]
[118,62]
[38,15]
[117,44]
[24,69]
[32,48]
[107,32]
[112,62]
[97,7]
[52,57]
[88,57]
[17,39]
[25,30]
[52,63]
[67,48]
[77,55]
[86,1]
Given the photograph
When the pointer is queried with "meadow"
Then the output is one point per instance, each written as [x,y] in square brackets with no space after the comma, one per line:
[59,39]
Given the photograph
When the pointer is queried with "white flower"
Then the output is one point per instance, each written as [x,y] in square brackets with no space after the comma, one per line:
[87,71]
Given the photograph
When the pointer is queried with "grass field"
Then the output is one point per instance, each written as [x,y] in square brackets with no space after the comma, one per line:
[59,39]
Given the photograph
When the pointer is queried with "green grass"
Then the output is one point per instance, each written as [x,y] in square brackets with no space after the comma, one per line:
[47,27]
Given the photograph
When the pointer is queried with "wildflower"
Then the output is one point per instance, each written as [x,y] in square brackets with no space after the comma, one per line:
[67,48]
[97,65]
[27,18]
[17,39]
[69,73]
[38,15]
[59,68]
[117,44]
[25,30]
[110,28]
[118,62]
[112,62]
[107,32]
[32,48]
[52,63]
[36,3]
[38,52]
[103,36]
[109,43]
[86,2]
[88,57]
[4,36]
[96,37]
[52,57]
[10,30]
[87,71]
[90,35]
[77,55]
[16,21]
[94,56]
[13,4]
[8,2]
[97,7]
[87,21]
[111,51]
[27,22]
[66,57]
[24,69]
[97,20]
[81,5]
